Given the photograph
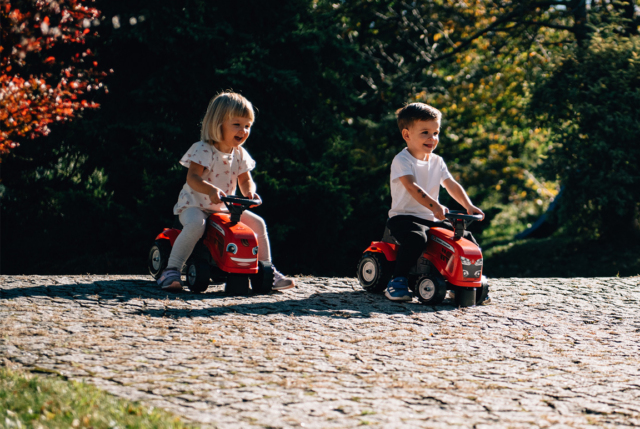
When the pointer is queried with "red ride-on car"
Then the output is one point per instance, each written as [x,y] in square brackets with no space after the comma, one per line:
[449,262]
[227,252]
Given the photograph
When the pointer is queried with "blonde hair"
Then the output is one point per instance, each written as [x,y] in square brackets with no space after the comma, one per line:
[222,107]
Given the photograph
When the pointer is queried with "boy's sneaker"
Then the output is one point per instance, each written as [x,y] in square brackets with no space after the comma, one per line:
[170,280]
[398,290]
[280,282]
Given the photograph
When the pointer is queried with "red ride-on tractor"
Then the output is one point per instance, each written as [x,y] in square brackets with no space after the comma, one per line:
[449,262]
[227,252]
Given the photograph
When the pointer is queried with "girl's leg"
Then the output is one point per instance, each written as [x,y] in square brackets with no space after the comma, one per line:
[256,223]
[193,223]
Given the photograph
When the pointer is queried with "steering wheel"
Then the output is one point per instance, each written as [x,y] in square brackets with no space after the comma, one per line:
[237,205]
[237,200]
[462,215]
[460,221]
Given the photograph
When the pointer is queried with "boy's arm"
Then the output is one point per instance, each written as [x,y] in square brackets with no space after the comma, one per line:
[418,194]
[247,185]
[458,193]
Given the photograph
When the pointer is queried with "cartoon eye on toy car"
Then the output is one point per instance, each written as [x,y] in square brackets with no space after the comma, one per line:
[227,252]
[449,262]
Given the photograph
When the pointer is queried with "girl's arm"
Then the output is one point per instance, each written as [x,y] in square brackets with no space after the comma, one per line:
[247,185]
[198,184]
[458,193]
[422,197]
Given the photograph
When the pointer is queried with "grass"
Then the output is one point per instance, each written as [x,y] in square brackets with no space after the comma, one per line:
[563,257]
[51,402]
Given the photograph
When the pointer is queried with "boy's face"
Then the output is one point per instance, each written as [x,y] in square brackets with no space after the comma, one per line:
[422,138]
[235,131]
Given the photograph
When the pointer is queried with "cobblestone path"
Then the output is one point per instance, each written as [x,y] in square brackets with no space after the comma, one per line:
[544,353]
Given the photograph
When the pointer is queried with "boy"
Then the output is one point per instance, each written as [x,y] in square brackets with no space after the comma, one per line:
[416,176]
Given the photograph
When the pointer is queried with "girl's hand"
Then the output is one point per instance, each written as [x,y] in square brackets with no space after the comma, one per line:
[475,210]
[254,196]
[215,194]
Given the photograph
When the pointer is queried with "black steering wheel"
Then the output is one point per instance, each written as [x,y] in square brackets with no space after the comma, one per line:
[461,220]
[237,205]
[461,214]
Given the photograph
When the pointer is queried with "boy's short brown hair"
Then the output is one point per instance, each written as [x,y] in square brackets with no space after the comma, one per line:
[416,112]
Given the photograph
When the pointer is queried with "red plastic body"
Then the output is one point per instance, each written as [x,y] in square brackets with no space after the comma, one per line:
[445,253]
[219,233]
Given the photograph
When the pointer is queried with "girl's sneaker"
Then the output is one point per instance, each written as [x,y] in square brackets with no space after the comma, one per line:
[398,290]
[280,282]
[170,280]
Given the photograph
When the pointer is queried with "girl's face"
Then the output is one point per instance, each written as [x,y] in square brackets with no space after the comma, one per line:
[235,131]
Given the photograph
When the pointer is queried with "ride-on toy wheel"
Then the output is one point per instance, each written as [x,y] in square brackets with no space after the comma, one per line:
[466,296]
[237,284]
[262,283]
[198,273]
[158,258]
[431,289]
[374,272]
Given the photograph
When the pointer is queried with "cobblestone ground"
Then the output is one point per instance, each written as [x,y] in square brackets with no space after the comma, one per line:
[544,353]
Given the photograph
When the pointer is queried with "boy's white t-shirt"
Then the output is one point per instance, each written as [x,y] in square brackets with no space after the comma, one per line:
[220,169]
[428,174]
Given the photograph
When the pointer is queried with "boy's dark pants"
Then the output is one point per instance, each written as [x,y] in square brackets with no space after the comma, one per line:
[411,233]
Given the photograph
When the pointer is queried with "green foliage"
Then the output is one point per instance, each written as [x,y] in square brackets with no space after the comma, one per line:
[590,103]
[562,256]
[29,401]
[284,57]
[326,78]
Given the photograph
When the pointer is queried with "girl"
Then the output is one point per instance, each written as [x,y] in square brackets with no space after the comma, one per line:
[216,164]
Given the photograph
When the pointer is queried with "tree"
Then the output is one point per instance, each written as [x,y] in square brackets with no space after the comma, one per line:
[589,102]
[114,177]
[46,72]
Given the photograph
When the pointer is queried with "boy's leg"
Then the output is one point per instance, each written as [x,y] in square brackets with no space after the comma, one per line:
[411,233]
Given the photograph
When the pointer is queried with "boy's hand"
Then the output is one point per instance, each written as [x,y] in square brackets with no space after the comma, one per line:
[475,210]
[439,211]
[215,194]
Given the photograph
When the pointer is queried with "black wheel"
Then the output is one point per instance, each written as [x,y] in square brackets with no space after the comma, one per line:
[466,296]
[431,289]
[158,258]
[237,284]
[412,280]
[374,272]
[198,274]
[262,283]
[482,292]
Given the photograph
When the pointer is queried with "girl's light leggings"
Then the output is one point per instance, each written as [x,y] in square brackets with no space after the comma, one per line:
[193,223]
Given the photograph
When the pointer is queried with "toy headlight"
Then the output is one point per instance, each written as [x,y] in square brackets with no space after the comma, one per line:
[465,261]
[479,262]
[255,250]
[232,248]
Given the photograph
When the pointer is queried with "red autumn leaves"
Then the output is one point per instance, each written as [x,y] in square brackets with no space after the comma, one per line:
[46,71]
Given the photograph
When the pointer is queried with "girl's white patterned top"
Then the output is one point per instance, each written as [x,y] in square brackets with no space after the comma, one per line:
[220,169]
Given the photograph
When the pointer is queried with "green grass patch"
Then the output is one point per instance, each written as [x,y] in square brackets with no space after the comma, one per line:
[562,257]
[51,402]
